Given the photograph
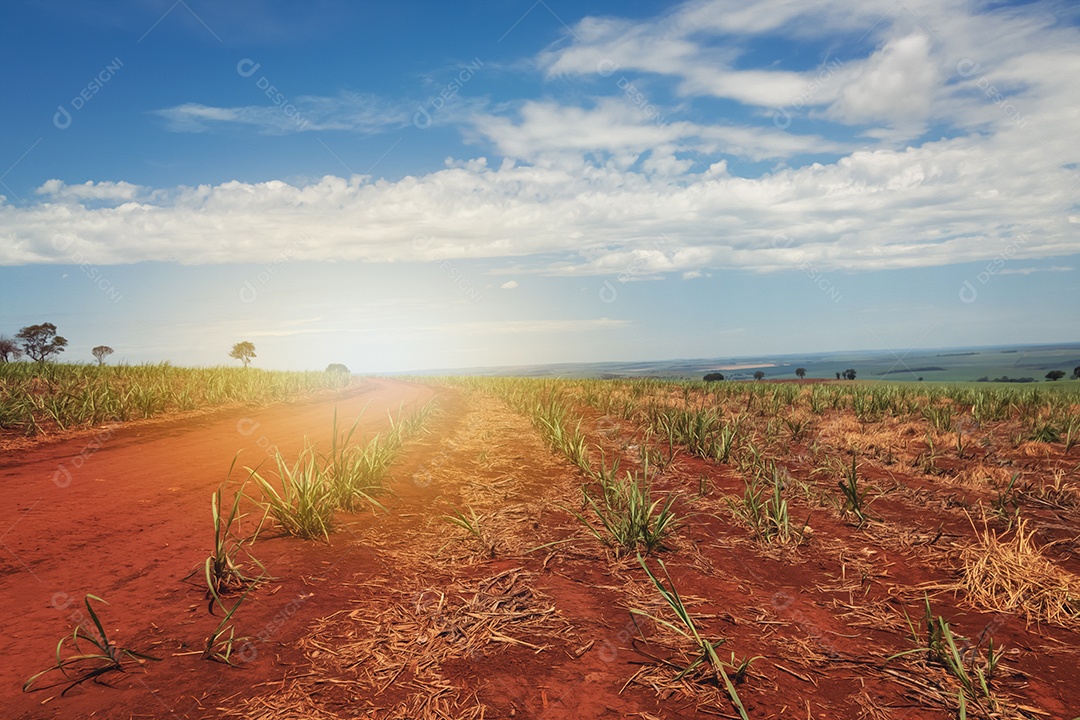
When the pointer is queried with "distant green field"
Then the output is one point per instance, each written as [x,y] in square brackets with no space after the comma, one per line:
[934,365]
[951,365]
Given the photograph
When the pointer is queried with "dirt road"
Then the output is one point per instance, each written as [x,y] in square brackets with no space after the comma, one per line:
[124,514]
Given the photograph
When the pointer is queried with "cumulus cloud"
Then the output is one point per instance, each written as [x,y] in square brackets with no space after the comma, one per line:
[107,191]
[926,63]
[896,85]
[509,285]
[954,200]
[627,131]
[628,182]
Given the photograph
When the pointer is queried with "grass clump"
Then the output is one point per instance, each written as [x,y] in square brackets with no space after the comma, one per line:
[629,516]
[303,501]
[1007,504]
[766,512]
[355,473]
[89,663]
[702,432]
[551,418]
[221,644]
[309,491]
[472,524]
[39,397]
[705,656]
[947,650]
[854,496]
[223,569]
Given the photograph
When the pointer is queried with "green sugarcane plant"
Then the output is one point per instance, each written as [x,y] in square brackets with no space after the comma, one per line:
[102,657]
[223,570]
[303,503]
[687,628]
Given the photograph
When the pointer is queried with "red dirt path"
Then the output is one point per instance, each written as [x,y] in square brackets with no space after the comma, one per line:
[128,523]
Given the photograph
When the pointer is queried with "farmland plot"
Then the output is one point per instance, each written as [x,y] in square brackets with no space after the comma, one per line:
[575,549]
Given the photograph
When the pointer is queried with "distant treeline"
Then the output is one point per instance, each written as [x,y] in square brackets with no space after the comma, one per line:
[1006,378]
[908,370]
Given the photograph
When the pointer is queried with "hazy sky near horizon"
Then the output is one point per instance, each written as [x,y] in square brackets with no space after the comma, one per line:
[424,184]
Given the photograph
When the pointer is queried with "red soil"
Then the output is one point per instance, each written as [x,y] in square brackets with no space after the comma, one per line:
[134,520]
[124,514]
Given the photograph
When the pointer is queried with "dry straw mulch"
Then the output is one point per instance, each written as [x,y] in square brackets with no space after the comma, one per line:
[1013,575]
[387,656]
[386,659]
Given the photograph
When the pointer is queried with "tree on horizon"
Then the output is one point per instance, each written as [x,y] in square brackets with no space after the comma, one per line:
[101,352]
[40,342]
[9,349]
[759,374]
[243,351]
[800,373]
[1055,375]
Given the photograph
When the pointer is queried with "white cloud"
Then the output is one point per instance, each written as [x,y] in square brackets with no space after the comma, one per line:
[674,44]
[509,285]
[107,191]
[765,88]
[355,112]
[918,72]
[1030,270]
[625,132]
[588,187]
[538,327]
[605,43]
[895,85]
[193,117]
[795,17]
[957,200]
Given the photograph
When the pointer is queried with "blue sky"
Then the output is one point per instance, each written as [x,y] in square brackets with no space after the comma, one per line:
[408,185]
